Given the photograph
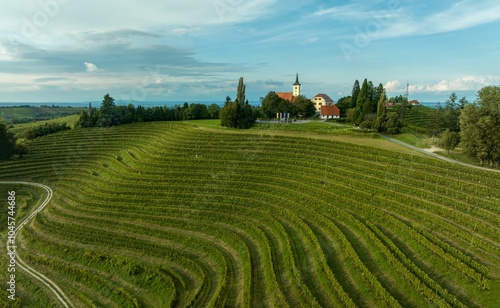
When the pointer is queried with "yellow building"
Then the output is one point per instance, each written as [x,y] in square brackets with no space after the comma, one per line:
[321,100]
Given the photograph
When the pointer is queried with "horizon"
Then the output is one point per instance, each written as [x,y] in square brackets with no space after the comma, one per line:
[61,50]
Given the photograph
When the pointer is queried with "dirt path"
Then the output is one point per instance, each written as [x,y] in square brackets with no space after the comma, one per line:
[20,263]
[431,153]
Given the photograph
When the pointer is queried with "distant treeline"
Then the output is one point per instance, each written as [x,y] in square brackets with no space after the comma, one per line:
[28,114]
[43,130]
[109,114]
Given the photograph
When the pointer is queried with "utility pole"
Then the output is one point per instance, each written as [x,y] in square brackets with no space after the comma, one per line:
[407,90]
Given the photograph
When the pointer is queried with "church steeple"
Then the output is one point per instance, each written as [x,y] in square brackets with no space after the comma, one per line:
[296,86]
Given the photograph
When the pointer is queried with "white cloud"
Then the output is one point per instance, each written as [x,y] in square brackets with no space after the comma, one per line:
[62,16]
[466,83]
[396,20]
[392,86]
[181,31]
[462,15]
[4,55]
[357,12]
[92,68]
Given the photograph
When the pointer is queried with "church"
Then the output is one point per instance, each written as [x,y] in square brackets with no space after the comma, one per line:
[323,103]
[291,96]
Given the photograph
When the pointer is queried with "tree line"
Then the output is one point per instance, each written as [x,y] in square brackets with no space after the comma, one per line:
[366,108]
[475,127]
[109,114]
[43,130]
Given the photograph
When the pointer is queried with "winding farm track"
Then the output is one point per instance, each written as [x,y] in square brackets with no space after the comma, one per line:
[436,155]
[20,263]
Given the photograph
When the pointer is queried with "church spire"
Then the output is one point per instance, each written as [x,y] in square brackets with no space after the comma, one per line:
[297,83]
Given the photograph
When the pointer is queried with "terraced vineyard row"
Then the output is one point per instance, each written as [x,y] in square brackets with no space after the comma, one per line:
[164,214]
[419,116]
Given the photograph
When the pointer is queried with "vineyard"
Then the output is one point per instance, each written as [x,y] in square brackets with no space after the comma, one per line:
[419,118]
[175,215]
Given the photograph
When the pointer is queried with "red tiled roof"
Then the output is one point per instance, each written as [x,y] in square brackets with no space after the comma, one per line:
[414,102]
[327,98]
[288,96]
[330,110]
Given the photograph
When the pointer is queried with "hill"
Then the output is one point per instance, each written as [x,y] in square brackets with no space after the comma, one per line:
[26,113]
[176,214]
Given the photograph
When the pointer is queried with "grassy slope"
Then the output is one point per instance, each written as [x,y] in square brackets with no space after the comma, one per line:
[34,112]
[70,120]
[195,213]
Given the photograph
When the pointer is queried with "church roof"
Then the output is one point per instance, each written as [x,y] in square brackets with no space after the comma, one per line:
[288,96]
[297,83]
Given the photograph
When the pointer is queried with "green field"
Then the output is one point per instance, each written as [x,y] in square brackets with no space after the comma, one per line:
[191,214]
[70,120]
[22,114]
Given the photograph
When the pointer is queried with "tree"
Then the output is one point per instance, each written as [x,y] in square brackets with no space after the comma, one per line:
[88,118]
[229,114]
[303,107]
[355,93]
[463,103]
[377,94]
[452,114]
[8,146]
[381,119]
[197,111]
[272,104]
[240,92]
[363,102]
[381,104]
[237,114]
[480,126]
[7,142]
[343,104]
[394,124]
[449,140]
[437,122]
[213,111]
[107,113]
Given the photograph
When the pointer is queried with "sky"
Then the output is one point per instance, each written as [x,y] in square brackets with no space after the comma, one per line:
[196,50]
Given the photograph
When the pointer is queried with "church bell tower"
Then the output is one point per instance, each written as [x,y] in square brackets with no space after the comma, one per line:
[296,86]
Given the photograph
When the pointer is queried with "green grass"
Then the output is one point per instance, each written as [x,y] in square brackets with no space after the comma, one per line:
[192,214]
[31,113]
[414,139]
[316,127]
[212,123]
[70,120]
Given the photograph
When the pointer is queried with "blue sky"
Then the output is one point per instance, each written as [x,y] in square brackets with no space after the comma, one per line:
[196,50]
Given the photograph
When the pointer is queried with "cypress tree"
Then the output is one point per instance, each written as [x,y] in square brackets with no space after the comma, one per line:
[354,93]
